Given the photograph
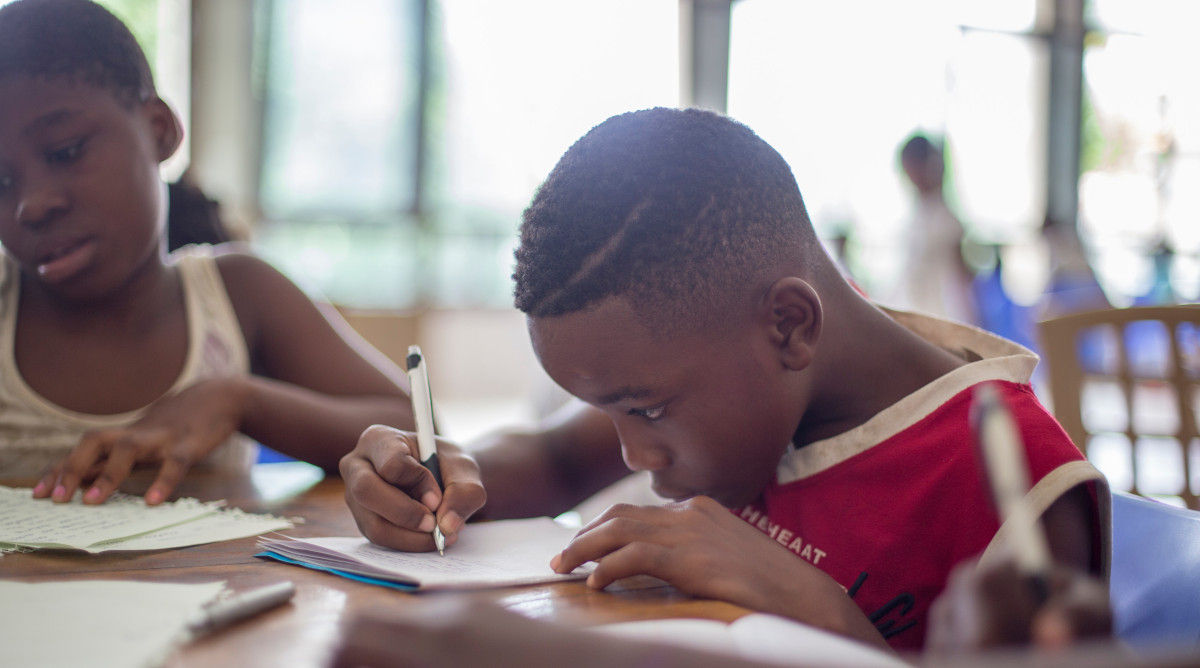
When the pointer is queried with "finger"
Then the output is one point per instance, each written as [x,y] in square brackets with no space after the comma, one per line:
[46,484]
[365,488]
[461,499]
[115,471]
[602,540]
[628,511]
[390,452]
[381,532]
[92,448]
[633,559]
[174,466]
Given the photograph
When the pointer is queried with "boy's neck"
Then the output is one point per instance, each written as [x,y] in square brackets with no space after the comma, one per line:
[879,363]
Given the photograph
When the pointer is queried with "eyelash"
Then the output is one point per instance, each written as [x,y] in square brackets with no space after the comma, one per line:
[66,154]
[652,414]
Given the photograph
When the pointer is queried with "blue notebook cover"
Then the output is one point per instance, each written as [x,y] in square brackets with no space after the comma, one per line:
[352,576]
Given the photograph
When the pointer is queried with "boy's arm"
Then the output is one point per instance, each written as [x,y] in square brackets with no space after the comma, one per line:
[1068,527]
[572,454]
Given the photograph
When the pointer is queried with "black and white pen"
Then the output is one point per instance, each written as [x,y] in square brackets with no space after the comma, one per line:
[422,404]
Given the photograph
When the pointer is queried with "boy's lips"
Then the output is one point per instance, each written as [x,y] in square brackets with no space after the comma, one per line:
[65,260]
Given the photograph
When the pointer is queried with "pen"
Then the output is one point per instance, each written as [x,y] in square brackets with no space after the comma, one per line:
[239,607]
[422,403]
[1008,477]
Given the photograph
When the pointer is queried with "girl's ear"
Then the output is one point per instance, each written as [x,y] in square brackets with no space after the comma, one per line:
[167,129]
[792,311]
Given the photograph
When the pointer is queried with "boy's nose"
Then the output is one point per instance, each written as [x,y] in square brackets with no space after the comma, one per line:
[643,456]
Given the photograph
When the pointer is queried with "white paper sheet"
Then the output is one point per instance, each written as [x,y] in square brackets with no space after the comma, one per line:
[109,623]
[122,523]
[488,554]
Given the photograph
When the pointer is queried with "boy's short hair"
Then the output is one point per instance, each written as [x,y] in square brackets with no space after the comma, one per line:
[73,38]
[679,211]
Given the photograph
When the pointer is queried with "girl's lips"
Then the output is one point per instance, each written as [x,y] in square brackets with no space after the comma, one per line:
[64,263]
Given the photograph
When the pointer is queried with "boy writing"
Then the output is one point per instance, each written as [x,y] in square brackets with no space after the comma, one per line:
[673,282]
[112,353]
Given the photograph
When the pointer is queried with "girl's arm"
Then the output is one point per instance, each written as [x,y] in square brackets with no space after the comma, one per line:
[315,384]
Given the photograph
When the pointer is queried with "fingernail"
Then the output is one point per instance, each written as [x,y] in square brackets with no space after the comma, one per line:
[427,524]
[554,561]
[60,493]
[154,497]
[451,522]
[430,501]
[92,495]
[39,489]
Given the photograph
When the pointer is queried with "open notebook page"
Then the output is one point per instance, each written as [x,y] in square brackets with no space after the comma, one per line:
[488,554]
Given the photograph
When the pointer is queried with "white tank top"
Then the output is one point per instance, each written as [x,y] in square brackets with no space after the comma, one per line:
[35,433]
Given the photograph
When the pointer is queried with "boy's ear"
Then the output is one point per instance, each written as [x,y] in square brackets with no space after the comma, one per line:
[792,310]
[166,126]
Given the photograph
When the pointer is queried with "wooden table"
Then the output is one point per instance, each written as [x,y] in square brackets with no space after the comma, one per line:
[304,632]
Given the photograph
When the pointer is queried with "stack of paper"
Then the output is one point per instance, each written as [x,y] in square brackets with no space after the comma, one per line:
[488,554]
[122,523]
[96,623]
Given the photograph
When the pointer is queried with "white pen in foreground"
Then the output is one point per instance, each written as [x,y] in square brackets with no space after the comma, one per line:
[422,404]
[241,606]
[1008,477]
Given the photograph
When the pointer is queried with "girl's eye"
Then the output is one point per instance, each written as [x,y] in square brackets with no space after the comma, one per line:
[653,413]
[66,154]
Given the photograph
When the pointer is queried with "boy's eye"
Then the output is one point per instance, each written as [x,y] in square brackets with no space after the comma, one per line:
[653,413]
[66,154]
[6,184]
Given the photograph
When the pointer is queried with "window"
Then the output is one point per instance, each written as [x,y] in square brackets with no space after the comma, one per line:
[1142,151]
[837,87]
[401,145]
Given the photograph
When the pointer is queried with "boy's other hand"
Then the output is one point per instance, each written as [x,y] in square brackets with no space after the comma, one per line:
[703,549]
[998,606]
[176,432]
[395,501]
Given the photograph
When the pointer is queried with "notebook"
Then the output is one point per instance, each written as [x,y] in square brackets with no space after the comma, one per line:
[122,523]
[488,554]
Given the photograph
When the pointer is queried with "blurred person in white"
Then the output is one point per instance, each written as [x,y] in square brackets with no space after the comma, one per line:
[936,279]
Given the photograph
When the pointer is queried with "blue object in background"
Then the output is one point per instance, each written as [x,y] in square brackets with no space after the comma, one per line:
[1155,583]
[268,456]
[999,314]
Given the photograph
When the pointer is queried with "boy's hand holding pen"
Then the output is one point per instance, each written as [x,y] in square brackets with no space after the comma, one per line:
[1025,599]
[394,479]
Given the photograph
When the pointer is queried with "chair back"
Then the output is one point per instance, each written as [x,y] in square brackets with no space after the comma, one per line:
[1142,363]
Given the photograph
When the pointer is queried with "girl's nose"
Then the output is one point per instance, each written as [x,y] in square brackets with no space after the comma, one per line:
[39,201]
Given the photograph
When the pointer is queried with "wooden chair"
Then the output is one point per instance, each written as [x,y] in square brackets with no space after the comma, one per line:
[1145,353]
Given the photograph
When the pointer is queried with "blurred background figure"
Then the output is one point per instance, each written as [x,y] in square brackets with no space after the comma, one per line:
[935,279]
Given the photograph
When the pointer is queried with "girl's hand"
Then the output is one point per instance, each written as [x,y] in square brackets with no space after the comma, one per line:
[395,501]
[703,549]
[175,433]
